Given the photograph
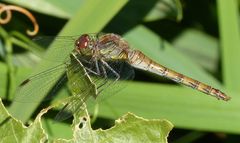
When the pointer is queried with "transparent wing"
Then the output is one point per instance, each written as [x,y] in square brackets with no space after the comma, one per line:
[61,46]
[100,81]
[48,81]
[28,90]
[46,41]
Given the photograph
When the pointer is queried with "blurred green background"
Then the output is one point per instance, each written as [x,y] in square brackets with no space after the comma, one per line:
[197,38]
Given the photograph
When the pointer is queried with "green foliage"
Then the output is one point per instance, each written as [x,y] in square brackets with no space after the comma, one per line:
[192,51]
[12,130]
[230,41]
[127,128]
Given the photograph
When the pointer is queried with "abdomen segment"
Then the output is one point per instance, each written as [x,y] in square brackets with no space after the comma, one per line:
[138,60]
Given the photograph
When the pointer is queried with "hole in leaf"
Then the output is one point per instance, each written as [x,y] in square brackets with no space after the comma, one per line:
[84,119]
[80,125]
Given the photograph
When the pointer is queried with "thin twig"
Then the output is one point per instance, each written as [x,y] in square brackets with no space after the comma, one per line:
[9,8]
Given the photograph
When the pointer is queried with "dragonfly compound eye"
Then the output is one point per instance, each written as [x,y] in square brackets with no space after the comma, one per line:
[82,42]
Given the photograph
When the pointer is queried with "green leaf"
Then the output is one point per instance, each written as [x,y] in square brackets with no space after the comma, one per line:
[25,43]
[199,47]
[44,6]
[184,107]
[12,130]
[2,50]
[129,128]
[230,42]
[165,9]
[3,81]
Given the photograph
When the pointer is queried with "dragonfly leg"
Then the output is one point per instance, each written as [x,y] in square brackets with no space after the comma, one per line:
[105,75]
[83,60]
[97,65]
[105,79]
[106,64]
[104,71]
[89,70]
[97,72]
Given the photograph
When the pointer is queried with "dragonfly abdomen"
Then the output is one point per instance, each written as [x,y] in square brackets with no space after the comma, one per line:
[138,60]
[204,88]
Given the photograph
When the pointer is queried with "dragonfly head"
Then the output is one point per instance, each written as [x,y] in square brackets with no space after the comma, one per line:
[84,43]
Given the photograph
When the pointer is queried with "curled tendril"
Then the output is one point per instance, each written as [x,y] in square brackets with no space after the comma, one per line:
[9,8]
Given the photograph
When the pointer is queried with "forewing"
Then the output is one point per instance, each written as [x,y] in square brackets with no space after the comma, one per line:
[47,82]
[61,46]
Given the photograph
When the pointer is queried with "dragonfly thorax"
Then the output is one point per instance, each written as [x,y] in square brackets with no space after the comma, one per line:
[112,47]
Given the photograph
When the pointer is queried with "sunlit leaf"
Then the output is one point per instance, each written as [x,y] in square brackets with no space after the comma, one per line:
[12,130]
[165,9]
[129,128]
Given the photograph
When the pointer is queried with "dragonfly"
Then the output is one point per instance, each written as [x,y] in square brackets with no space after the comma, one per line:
[99,61]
